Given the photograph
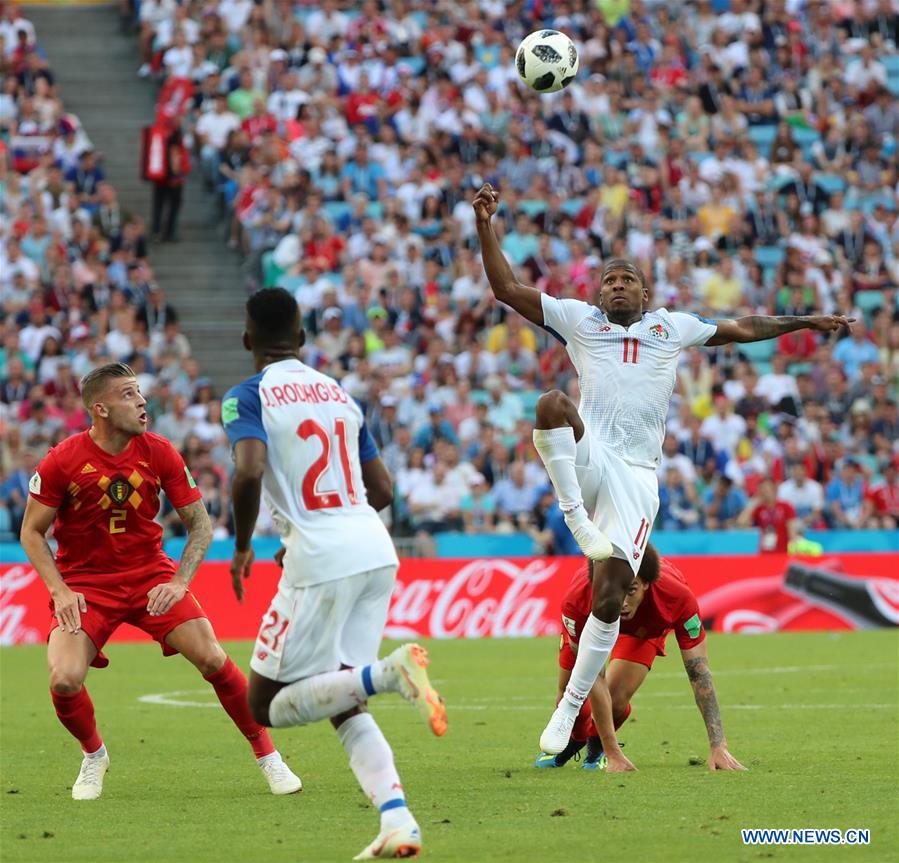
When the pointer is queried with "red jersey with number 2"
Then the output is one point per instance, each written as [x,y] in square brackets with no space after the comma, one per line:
[107,504]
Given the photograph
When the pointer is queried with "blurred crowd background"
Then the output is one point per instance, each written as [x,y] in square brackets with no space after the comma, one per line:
[743,152]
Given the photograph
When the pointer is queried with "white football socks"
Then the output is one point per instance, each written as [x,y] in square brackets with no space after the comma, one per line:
[329,694]
[558,450]
[371,761]
[597,640]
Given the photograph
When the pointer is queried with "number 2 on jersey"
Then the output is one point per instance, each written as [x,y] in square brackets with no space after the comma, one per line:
[314,497]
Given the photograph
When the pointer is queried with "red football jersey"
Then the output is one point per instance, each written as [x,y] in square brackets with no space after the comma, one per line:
[667,605]
[107,504]
[772,522]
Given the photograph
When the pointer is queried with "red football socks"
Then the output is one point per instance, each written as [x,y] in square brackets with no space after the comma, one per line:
[76,713]
[623,719]
[230,686]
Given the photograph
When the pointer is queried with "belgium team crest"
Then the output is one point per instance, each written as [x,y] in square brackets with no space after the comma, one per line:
[119,490]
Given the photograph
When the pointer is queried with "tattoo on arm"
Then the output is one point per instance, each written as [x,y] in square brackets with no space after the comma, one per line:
[199,536]
[764,327]
[706,700]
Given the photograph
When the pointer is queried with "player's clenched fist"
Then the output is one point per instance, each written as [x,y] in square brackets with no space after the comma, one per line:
[485,203]
[162,597]
[68,607]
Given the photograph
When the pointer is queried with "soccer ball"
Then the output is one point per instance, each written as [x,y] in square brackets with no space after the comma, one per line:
[546,61]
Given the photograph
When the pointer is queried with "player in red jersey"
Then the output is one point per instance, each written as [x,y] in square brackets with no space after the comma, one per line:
[101,487]
[658,601]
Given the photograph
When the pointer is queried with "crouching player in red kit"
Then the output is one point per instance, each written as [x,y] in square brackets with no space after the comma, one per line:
[658,601]
[101,487]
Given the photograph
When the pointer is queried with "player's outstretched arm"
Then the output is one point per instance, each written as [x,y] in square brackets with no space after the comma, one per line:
[199,536]
[601,708]
[696,662]
[378,483]
[67,604]
[246,491]
[759,328]
[506,288]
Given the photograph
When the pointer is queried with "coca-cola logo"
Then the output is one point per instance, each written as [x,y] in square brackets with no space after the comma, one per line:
[884,594]
[12,627]
[485,598]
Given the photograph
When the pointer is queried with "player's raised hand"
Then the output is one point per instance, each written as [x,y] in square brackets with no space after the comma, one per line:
[721,759]
[68,607]
[162,597]
[485,203]
[241,563]
[618,762]
[829,323]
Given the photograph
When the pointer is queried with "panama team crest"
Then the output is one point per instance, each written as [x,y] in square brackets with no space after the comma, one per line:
[658,331]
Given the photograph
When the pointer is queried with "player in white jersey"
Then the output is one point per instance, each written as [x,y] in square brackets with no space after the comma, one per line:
[601,455]
[300,439]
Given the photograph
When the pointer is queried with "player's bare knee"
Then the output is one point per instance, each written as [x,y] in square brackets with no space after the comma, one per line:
[619,709]
[209,659]
[553,409]
[66,681]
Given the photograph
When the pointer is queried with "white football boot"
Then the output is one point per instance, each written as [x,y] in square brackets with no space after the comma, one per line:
[590,539]
[403,841]
[557,733]
[89,784]
[281,779]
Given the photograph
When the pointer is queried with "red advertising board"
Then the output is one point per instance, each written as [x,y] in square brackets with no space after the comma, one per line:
[518,597]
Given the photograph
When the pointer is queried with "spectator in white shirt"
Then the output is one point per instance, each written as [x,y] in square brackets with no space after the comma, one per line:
[805,495]
[723,428]
[777,385]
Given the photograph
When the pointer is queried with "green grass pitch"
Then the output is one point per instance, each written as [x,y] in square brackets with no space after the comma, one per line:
[814,717]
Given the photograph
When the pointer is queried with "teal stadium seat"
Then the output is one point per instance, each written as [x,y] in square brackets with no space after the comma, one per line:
[891,64]
[337,210]
[271,272]
[868,302]
[572,206]
[375,210]
[758,352]
[416,65]
[532,208]
[763,137]
[831,183]
[528,399]
[768,257]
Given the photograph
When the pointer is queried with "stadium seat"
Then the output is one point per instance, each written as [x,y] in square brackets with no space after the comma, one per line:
[528,399]
[572,206]
[799,369]
[480,397]
[416,65]
[805,137]
[532,208]
[769,257]
[868,202]
[615,158]
[375,210]
[891,64]
[337,210]
[868,302]
[758,351]
[831,183]
[763,137]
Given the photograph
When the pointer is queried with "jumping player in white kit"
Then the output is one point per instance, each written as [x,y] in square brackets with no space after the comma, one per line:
[300,438]
[602,455]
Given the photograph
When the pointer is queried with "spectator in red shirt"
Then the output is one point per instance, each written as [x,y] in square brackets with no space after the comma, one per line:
[884,499]
[797,346]
[776,519]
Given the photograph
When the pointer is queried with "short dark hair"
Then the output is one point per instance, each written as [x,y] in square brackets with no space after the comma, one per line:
[624,264]
[94,383]
[273,314]
[650,565]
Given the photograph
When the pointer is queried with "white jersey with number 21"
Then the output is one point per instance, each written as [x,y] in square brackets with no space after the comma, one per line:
[626,374]
[317,441]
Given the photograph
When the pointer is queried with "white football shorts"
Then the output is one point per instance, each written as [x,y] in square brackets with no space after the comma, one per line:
[622,498]
[323,627]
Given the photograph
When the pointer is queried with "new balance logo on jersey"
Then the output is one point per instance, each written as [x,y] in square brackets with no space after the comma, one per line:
[605,328]
[88,468]
[262,655]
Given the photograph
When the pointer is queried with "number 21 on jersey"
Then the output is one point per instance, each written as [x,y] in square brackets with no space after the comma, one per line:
[314,496]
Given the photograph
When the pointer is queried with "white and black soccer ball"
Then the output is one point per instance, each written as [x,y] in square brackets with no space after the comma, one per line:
[546,61]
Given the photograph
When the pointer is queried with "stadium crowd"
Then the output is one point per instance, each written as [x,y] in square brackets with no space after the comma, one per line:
[743,152]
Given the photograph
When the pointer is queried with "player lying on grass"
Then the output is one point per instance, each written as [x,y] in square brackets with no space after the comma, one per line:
[658,601]
[602,454]
[299,437]
[101,488]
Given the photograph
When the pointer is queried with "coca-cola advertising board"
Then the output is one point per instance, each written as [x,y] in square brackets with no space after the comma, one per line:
[520,597]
